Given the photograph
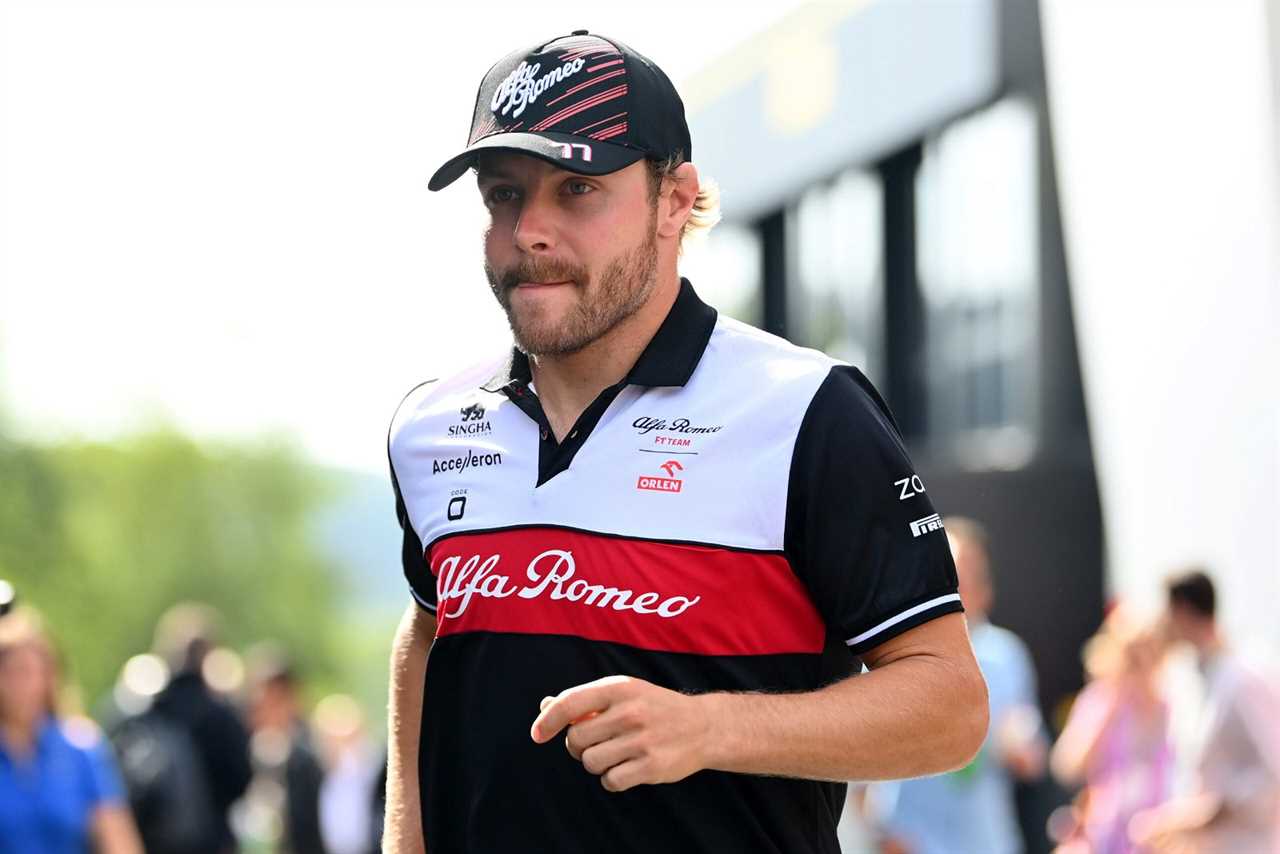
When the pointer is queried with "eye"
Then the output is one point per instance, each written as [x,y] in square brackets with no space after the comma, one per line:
[501,194]
[578,188]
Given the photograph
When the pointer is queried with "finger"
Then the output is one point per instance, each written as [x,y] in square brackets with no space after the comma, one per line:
[573,704]
[545,702]
[621,777]
[592,730]
[600,758]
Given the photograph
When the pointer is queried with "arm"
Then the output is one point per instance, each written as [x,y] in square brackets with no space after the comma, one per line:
[113,831]
[921,710]
[402,826]
[1078,746]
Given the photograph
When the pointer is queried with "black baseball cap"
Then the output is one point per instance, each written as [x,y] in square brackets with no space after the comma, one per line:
[582,102]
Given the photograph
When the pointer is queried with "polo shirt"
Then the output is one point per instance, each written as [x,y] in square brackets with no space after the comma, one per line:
[48,798]
[737,514]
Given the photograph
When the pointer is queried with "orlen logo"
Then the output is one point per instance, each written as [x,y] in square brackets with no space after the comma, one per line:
[662,484]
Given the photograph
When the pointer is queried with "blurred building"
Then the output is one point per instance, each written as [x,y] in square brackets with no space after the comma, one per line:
[918,187]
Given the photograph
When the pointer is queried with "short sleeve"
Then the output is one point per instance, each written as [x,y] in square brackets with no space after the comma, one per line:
[105,787]
[861,531]
[412,556]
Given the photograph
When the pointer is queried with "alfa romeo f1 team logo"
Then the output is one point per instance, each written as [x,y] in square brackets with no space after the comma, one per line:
[663,484]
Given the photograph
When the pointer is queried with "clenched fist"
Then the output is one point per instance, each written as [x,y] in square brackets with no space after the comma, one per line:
[630,732]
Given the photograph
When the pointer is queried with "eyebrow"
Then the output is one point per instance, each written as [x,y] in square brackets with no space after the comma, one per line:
[489,173]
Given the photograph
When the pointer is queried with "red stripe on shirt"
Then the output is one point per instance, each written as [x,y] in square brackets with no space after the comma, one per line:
[657,596]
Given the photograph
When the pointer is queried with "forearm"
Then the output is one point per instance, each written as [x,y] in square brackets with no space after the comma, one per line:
[1078,746]
[402,827]
[114,831]
[917,716]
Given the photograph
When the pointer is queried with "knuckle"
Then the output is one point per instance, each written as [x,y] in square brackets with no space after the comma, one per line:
[591,761]
[631,715]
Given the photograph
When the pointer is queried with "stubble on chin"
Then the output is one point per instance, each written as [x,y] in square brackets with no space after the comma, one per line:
[598,306]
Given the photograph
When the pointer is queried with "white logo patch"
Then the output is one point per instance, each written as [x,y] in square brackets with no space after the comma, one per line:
[923,526]
[520,89]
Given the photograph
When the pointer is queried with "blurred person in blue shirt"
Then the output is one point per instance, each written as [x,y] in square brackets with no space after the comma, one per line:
[973,810]
[59,790]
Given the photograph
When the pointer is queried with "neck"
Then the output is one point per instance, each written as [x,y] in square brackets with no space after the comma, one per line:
[1209,645]
[20,736]
[568,383]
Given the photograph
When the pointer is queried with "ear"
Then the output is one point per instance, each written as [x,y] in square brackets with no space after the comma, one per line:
[675,200]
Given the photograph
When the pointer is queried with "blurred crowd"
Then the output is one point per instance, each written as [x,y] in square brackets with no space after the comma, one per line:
[1145,762]
[198,750]
[202,750]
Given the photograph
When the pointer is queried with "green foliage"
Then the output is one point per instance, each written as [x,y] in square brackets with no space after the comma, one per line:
[102,538]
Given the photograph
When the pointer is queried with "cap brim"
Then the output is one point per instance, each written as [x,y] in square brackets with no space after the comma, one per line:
[566,151]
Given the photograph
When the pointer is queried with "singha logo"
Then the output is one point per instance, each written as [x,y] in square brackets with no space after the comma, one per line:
[473,422]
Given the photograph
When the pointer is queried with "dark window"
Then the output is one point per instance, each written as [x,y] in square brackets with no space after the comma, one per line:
[836,269]
[978,266]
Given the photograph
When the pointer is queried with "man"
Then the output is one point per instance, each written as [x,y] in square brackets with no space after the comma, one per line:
[1235,803]
[973,809]
[184,636]
[284,760]
[659,538]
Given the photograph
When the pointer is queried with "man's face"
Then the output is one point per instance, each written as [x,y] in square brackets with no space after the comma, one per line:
[568,256]
[1180,623]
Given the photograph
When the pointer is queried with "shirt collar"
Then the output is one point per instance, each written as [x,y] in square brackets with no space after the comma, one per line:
[45,738]
[668,360]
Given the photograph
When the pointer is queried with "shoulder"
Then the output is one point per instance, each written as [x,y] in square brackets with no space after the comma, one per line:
[1000,640]
[1000,648]
[441,397]
[752,353]
[77,743]
[80,734]
[768,365]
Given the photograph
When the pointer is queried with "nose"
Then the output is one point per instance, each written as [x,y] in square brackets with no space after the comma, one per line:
[536,228]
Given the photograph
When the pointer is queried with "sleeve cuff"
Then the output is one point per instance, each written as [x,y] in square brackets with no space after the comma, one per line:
[904,620]
[429,607]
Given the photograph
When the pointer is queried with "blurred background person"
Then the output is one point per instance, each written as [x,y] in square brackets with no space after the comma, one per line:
[59,790]
[282,806]
[973,809]
[1234,805]
[1116,740]
[184,636]
[350,819]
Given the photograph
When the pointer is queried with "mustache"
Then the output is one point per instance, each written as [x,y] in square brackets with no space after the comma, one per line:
[542,270]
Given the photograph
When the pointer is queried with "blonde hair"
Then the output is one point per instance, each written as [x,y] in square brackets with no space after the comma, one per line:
[706,207]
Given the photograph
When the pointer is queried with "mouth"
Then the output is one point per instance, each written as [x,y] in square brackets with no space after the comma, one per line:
[536,285]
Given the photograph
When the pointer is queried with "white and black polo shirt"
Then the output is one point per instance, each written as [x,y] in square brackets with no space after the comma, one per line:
[738,514]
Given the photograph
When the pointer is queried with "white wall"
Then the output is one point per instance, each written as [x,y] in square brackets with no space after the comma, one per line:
[1165,136]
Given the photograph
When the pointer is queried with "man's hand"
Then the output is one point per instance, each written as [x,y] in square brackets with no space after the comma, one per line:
[627,731]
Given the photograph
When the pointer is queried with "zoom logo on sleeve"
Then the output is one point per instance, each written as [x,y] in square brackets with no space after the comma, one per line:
[466,461]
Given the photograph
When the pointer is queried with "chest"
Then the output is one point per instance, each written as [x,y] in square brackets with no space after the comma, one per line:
[44,804]
[659,464]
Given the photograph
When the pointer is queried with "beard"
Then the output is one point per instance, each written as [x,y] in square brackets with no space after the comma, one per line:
[623,286]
